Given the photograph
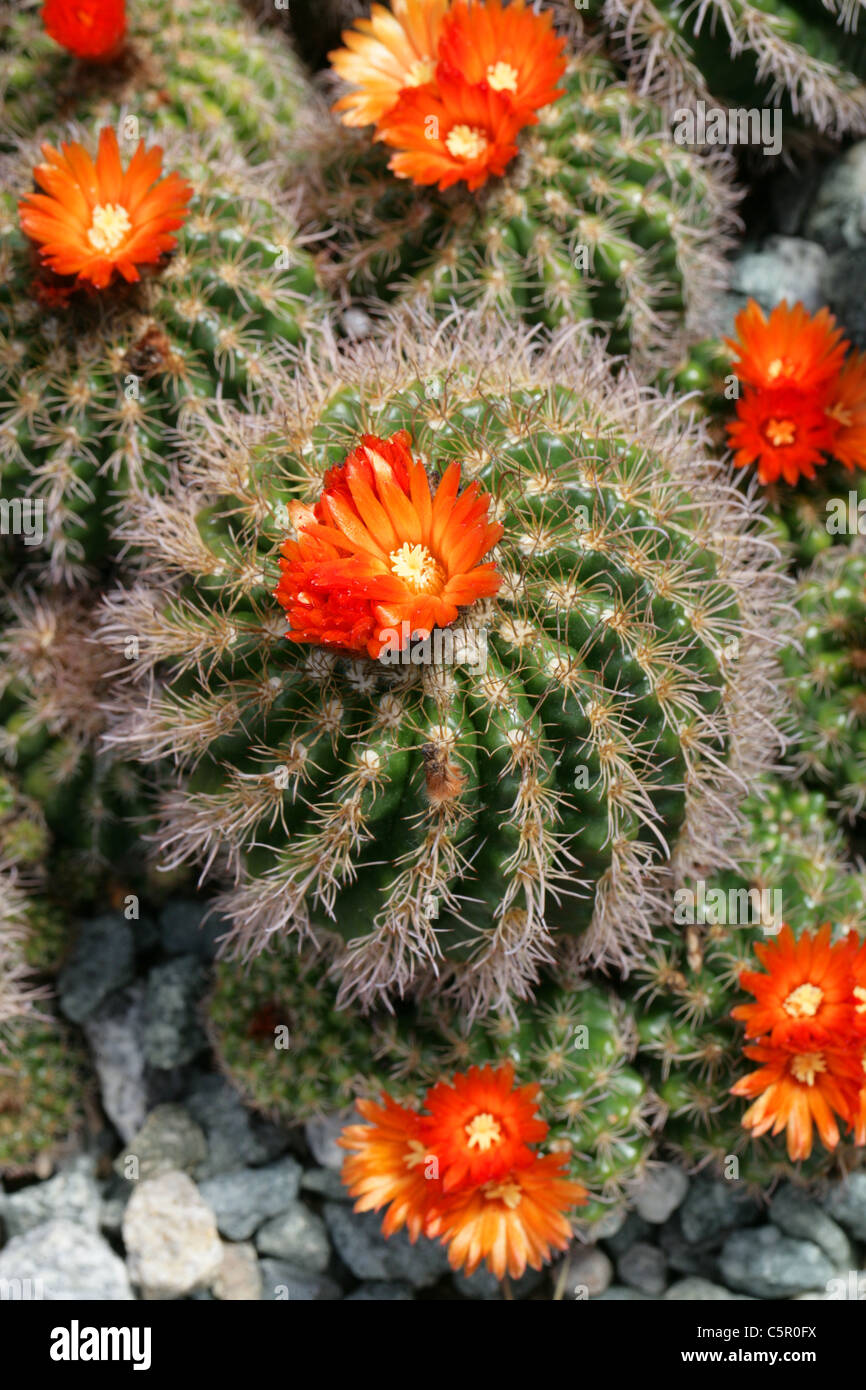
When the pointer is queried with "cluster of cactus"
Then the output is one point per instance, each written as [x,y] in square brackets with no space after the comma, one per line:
[44,1086]
[602,218]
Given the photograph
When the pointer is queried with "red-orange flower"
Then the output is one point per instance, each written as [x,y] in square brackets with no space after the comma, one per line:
[391,50]
[806,998]
[796,1091]
[786,431]
[480,1126]
[511,48]
[791,348]
[390,1166]
[513,1222]
[451,132]
[847,408]
[380,559]
[95,220]
[92,29]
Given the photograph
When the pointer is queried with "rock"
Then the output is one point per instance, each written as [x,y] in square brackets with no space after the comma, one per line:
[113,1205]
[102,961]
[170,1234]
[173,1034]
[115,1038]
[845,1202]
[235,1139]
[239,1279]
[169,1141]
[714,1206]
[187,928]
[324,1182]
[783,267]
[767,1264]
[381,1293]
[369,1255]
[796,1215]
[282,1282]
[296,1235]
[701,1291]
[684,1257]
[589,1272]
[845,285]
[242,1201]
[484,1286]
[64,1263]
[661,1190]
[609,1225]
[72,1194]
[633,1228]
[792,193]
[322,1133]
[837,216]
[619,1293]
[643,1267]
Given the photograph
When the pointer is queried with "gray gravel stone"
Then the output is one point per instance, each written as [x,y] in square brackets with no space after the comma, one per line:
[610,1224]
[797,1215]
[767,1264]
[322,1133]
[783,267]
[589,1270]
[235,1138]
[845,286]
[72,1194]
[115,1036]
[643,1267]
[845,1201]
[173,1034]
[170,1235]
[324,1182]
[362,1247]
[620,1293]
[169,1141]
[702,1291]
[714,1206]
[837,216]
[700,1260]
[660,1191]
[113,1205]
[381,1293]
[70,1262]
[102,960]
[296,1235]
[239,1279]
[242,1201]
[485,1287]
[185,928]
[283,1282]
[633,1228]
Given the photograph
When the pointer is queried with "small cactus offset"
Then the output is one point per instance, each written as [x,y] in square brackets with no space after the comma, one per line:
[44,1087]
[600,217]
[458,808]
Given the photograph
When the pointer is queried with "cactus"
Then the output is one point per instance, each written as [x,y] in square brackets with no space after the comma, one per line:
[576,1040]
[684,991]
[184,67]
[90,393]
[826,669]
[432,820]
[601,218]
[44,1086]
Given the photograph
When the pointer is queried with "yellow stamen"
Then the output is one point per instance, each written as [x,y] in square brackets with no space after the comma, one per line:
[775,368]
[502,77]
[416,1156]
[804,1002]
[508,1192]
[423,70]
[465,142]
[416,566]
[108,226]
[806,1066]
[860,994]
[483,1132]
[781,432]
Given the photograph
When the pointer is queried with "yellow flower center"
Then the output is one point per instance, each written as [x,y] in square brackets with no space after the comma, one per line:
[483,1132]
[417,568]
[502,77]
[860,996]
[775,368]
[508,1192]
[781,432]
[465,142]
[108,227]
[804,1002]
[806,1066]
[422,70]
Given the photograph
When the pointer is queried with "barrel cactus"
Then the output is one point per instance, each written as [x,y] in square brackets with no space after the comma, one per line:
[94,378]
[461,805]
[44,1088]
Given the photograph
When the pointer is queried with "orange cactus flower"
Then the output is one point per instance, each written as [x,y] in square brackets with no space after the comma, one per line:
[386,53]
[93,220]
[480,1126]
[380,559]
[787,432]
[847,409]
[390,1166]
[806,999]
[801,1091]
[91,29]
[511,48]
[452,132]
[513,1222]
[791,348]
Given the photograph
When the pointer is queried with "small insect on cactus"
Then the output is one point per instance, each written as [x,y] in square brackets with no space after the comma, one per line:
[161,65]
[132,296]
[826,669]
[489,166]
[458,758]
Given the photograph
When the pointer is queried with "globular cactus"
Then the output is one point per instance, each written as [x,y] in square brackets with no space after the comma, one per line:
[183,67]
[92,388]
[44,1088]
[601,217]
[690,1047]
[828,511]
[826,669]
[292,1053]
[462,811]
